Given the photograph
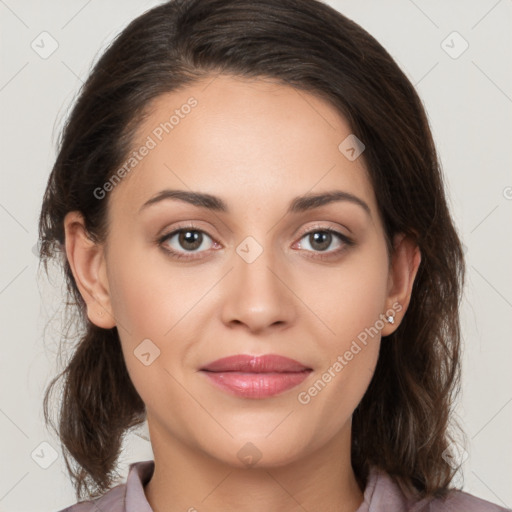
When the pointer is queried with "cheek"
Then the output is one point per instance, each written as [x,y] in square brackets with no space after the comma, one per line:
[349,302]
[348,299]
[153,300]
[148,296]
[148,303]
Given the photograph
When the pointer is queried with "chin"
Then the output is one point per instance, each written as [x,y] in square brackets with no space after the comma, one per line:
[259,452]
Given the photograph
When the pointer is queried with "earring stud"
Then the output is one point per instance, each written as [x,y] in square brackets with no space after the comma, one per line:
[391,319]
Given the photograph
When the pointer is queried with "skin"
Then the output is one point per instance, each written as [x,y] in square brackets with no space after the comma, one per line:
[257,145]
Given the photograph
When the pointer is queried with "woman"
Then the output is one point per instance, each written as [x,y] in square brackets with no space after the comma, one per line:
[303,351]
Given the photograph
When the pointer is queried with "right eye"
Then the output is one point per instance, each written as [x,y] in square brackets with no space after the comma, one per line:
[184,240]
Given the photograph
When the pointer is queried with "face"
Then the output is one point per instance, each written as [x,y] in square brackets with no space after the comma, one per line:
[266,273]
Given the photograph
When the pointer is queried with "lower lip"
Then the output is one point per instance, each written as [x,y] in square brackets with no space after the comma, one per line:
[256,385]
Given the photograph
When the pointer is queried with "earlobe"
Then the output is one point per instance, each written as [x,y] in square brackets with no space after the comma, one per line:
[404,266]
[87,261]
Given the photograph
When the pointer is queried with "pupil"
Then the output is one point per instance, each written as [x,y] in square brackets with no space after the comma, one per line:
[190,237]
[323,238]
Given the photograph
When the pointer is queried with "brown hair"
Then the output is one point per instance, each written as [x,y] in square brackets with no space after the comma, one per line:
[402,423]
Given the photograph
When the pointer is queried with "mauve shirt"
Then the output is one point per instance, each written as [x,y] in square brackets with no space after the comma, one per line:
[381,495]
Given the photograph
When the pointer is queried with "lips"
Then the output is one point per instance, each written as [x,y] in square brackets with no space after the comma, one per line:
[255,364]
[255,377]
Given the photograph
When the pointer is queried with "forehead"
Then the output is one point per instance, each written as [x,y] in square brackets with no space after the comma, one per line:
[250,141]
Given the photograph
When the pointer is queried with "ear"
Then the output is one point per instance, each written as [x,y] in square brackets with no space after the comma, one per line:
[404,265]
[87,261]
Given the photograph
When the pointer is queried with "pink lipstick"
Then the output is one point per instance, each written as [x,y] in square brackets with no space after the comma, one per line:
[256,376]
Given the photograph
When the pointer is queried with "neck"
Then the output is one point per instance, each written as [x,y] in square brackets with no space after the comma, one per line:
[186,478]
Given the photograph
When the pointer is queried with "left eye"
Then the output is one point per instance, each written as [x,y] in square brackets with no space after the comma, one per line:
[320,239]
[189,239]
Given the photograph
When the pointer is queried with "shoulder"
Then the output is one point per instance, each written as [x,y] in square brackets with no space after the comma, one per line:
[383,494]
[460,500]
[113,501]
[125,497]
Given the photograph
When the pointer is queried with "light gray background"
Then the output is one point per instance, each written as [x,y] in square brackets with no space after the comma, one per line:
[469,103]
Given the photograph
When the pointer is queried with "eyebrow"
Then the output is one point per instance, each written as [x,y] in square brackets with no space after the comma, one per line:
[297,205]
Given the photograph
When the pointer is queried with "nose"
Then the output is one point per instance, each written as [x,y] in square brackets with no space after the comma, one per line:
[258,295]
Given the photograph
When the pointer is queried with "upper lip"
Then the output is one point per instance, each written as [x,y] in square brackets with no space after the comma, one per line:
[255,364]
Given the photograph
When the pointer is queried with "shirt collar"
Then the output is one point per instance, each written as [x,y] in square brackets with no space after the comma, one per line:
[139,474]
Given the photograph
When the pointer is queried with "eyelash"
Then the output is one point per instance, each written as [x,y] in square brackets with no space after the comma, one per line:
[191,227]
